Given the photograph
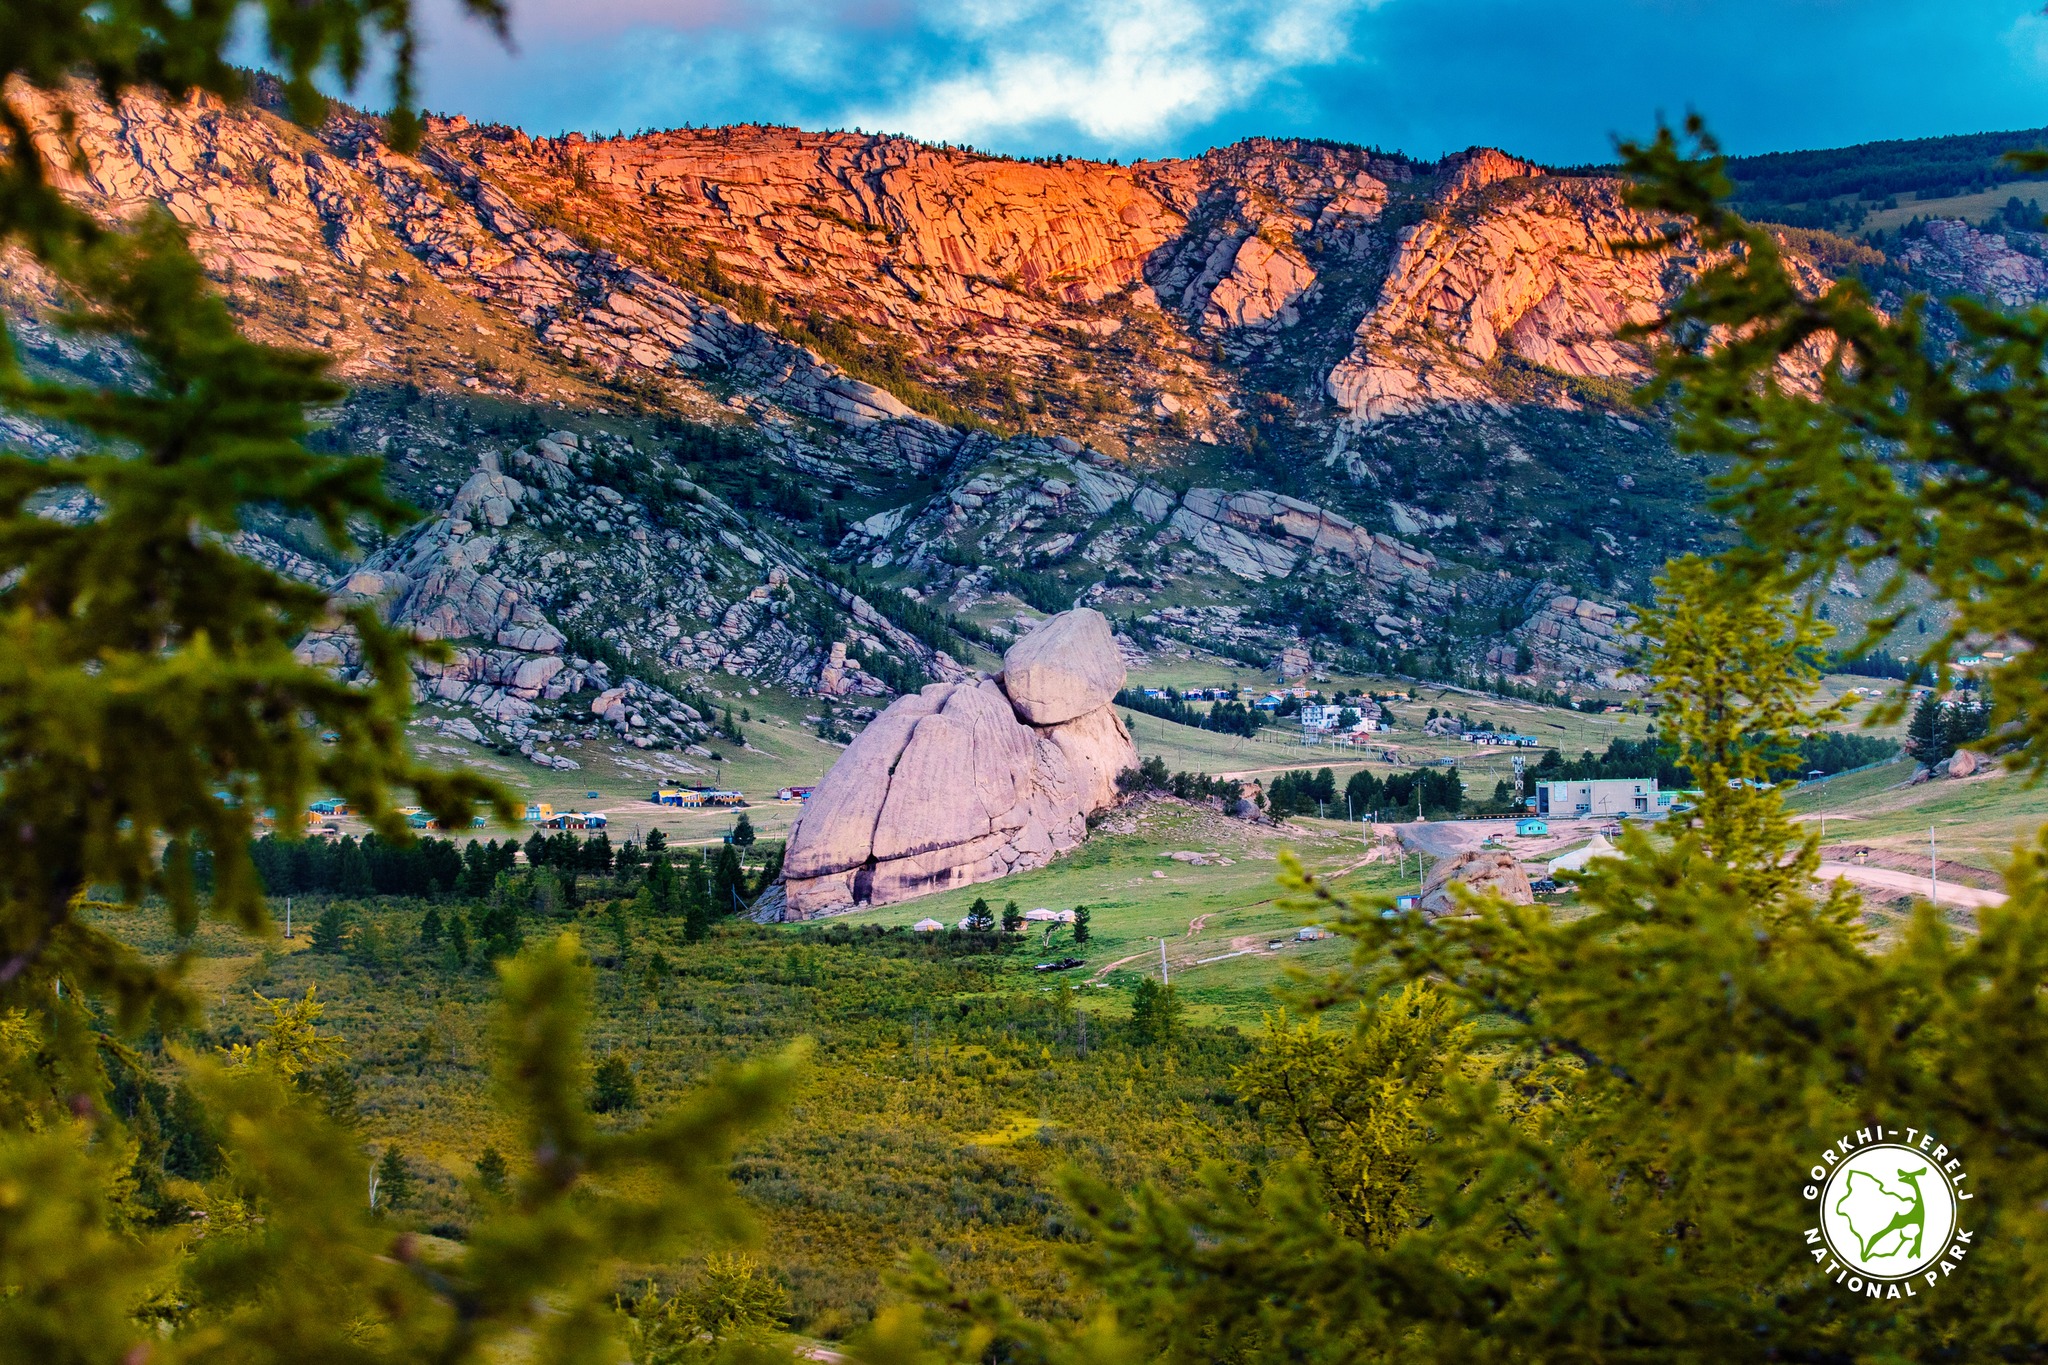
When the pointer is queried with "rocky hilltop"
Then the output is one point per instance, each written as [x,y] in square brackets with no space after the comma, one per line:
[836,411]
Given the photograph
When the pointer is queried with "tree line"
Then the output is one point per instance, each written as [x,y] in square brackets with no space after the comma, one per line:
[1224,717]
[1151,776]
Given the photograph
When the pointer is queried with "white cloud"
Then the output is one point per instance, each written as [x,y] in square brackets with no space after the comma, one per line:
[1119,71]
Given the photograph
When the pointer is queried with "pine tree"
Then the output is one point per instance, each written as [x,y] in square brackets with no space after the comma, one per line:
[431,929]
[1013,918]
[367,946]
[330,931]
[664,890]
[1924,733]
[1155,1012]
[394,1179]
[1080,924]
[478,870]
[458,940]
[727,882]
[491,1172]
[698,907]
[500,930]
[743,833]
[335,1085]
[151,1149]
[613,1088]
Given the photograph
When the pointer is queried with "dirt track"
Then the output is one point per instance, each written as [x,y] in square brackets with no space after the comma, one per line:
[1910,883]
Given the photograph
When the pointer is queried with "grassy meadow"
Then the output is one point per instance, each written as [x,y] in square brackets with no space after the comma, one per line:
[949,1086]
[1977,820]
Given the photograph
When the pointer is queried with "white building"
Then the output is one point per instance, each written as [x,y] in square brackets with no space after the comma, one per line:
[1603,796]
[1323,720]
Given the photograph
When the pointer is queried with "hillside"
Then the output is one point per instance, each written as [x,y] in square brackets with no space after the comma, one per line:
[1837,187]
[834,413]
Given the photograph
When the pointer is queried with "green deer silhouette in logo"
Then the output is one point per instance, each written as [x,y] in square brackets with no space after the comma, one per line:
[1913,1219]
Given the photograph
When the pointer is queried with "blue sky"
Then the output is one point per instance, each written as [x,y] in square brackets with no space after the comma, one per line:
[1551,79]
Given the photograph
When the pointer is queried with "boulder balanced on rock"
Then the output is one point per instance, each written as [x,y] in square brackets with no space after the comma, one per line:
[964,782]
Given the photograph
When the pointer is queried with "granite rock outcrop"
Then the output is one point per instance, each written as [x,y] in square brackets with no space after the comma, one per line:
[1538,274]
[962,782]
[1481,871]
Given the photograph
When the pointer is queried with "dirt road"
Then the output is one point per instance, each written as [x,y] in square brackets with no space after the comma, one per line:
[1896,882]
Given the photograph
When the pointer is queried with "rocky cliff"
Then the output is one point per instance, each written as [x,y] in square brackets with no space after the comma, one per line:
[689,400]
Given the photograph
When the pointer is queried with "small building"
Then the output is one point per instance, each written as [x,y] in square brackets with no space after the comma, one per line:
[329,808]
[580,819]
[795,794]
[1601,796]
[416,818]
[1044,916]
[1310,933]
[1496,737]
[539,812]
[926,926]
[1531,827]
[693,798]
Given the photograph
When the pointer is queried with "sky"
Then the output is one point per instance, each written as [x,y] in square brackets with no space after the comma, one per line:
[1553,80]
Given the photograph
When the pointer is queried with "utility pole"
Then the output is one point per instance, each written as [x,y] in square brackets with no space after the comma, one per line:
[287,916]
[1933,869]
[1162,964]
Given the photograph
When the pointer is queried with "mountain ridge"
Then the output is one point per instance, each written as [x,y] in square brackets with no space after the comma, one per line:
[1284,401]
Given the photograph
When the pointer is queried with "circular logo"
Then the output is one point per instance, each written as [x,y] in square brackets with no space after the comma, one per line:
[1889,1212]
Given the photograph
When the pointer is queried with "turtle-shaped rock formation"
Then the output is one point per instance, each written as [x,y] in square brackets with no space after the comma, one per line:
[964,782]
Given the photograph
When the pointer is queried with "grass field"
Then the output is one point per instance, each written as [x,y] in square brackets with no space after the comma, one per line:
[1977,820]
[1972,207]
[782,750]
[1217,920]
[1279,748]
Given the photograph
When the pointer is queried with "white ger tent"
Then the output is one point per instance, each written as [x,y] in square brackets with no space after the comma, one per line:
[1576,860]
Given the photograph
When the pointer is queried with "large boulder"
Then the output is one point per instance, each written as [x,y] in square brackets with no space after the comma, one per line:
[1478,870]
[951,786]
[1065,668]
[488,496]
